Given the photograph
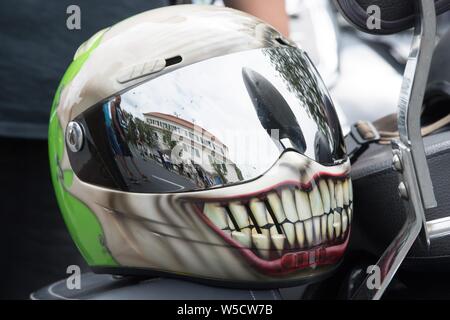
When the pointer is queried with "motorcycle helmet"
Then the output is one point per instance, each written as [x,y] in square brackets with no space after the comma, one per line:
[197,141]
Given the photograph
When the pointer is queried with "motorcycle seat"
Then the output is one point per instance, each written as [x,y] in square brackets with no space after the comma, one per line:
[395,16]
[380,212]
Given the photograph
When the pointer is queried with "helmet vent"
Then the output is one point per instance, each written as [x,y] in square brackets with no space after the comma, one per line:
[173,60]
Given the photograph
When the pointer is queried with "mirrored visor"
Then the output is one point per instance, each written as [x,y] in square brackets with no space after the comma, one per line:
[218,122]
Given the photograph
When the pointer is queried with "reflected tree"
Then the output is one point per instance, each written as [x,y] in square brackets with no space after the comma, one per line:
[139,132]
[167,139]
[302,80]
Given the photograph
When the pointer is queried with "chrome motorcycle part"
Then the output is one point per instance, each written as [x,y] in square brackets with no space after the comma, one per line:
[415,175]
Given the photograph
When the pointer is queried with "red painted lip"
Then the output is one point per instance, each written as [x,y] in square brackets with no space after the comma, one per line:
[321,255]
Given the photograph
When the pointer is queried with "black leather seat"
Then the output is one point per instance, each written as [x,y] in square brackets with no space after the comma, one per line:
[379,211]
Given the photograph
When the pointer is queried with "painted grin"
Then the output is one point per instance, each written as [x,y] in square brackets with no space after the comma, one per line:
[288,227]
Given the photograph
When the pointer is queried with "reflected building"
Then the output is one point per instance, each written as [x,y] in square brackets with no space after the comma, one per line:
[203,154]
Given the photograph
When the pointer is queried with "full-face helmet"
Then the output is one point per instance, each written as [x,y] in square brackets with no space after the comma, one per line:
[197,141]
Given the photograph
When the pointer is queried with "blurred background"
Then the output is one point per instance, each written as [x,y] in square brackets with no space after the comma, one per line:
[362,72]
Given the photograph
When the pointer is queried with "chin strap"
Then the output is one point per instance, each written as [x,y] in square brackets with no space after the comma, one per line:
[386,135]
[382,131]
[361,134]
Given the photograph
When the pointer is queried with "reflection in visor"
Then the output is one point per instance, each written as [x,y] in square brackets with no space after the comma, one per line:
[273,111]
[222,121]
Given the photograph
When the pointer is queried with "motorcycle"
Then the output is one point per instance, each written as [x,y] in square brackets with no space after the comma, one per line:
[407,230]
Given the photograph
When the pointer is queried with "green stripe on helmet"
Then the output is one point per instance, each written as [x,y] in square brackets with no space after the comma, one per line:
[82,223]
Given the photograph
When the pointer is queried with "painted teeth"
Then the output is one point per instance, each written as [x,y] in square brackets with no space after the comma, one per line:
[302,204]
[230,224]
[316,202]
[330,224]
[280,215]
[332,193]
[325,193]
[317,230]
[309,231]
[287,198]
[344,221]
[243,238]
[337,224]
[276,206]
[339,194]
[241,217]
[216,214]
[277,238]
[278,242]
[260,213]
[300,233]
[273,229]
[289,231]
[323,226]
[261,243]
[346,191]
[288,219]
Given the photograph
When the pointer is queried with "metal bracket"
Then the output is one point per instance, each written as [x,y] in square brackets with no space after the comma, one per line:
[438,228]
[411,97]
[409,153]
